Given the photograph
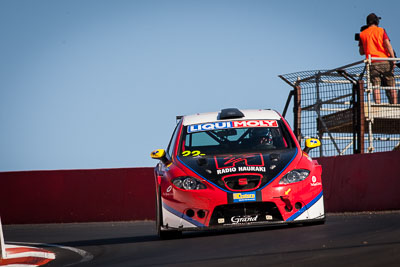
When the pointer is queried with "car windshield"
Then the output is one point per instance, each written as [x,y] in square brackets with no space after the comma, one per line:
[234,140]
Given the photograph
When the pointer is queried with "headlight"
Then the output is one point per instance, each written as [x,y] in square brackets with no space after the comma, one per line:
[294,176]
[188,183]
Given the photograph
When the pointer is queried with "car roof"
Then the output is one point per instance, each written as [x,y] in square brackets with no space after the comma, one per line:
[249,114]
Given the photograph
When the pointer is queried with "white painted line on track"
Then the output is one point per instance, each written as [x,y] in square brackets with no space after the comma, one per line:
[86,256]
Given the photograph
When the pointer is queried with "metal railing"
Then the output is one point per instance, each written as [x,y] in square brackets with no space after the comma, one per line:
[337,106]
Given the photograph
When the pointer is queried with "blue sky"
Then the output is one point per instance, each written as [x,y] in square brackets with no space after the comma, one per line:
[97,83]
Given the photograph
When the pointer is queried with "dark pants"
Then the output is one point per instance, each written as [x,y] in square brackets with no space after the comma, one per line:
[381,73]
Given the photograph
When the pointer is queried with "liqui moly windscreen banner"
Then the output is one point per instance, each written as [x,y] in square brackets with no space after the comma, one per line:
[231,124]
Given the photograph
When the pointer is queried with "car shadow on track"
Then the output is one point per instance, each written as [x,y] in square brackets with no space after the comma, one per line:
[185,235]
[237,230]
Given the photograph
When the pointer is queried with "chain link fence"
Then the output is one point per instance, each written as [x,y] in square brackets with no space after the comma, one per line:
[340,108]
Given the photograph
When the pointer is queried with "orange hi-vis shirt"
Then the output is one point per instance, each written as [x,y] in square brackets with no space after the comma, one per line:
[372,41]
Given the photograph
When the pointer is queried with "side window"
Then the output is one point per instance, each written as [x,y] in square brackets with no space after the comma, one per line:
[287,139]
[170,147]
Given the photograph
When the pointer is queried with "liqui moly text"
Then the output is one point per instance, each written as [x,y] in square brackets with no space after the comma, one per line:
[231,124]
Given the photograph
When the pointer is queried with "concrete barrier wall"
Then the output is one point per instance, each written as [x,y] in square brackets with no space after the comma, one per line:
[77,195]
[351,183]
[367,182]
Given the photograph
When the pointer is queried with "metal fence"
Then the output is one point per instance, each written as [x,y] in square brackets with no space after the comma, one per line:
[339,108]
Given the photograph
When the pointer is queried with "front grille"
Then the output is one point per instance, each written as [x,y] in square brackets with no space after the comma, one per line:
[245,213]
[242,182]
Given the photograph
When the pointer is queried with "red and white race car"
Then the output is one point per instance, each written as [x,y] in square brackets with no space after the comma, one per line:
[235,168]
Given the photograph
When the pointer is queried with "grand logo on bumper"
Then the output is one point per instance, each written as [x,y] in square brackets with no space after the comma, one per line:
[244,219]
[231,124]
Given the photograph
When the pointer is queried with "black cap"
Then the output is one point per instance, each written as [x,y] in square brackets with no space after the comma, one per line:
[373,19]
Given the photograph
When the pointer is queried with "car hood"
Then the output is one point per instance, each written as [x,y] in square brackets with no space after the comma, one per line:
[241,172]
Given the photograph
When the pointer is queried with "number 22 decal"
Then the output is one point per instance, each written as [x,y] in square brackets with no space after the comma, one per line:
[193,153]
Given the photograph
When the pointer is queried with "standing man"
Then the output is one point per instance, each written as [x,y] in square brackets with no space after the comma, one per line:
[375,42]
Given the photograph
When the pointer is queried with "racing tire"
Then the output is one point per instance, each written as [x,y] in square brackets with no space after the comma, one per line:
[158,213]
[163,234]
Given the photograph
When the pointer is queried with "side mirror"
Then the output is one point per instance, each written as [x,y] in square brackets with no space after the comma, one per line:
[160,155]
[311,143]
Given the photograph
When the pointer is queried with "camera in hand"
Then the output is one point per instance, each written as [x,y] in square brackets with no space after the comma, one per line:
[357,35]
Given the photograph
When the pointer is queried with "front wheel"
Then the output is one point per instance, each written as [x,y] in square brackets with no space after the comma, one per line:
[163,234]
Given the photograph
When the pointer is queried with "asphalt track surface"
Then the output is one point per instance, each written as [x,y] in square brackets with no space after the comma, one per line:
[354,239]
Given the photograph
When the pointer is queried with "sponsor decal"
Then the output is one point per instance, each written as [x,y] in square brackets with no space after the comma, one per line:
[252,169]
[314,181]
[242,169]
[226,170]
[231,161]
[168,192]
[244,219]
[231,124]
[228,164]
[243,197]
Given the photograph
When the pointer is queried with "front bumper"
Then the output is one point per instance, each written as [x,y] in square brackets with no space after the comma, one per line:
[245,214]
